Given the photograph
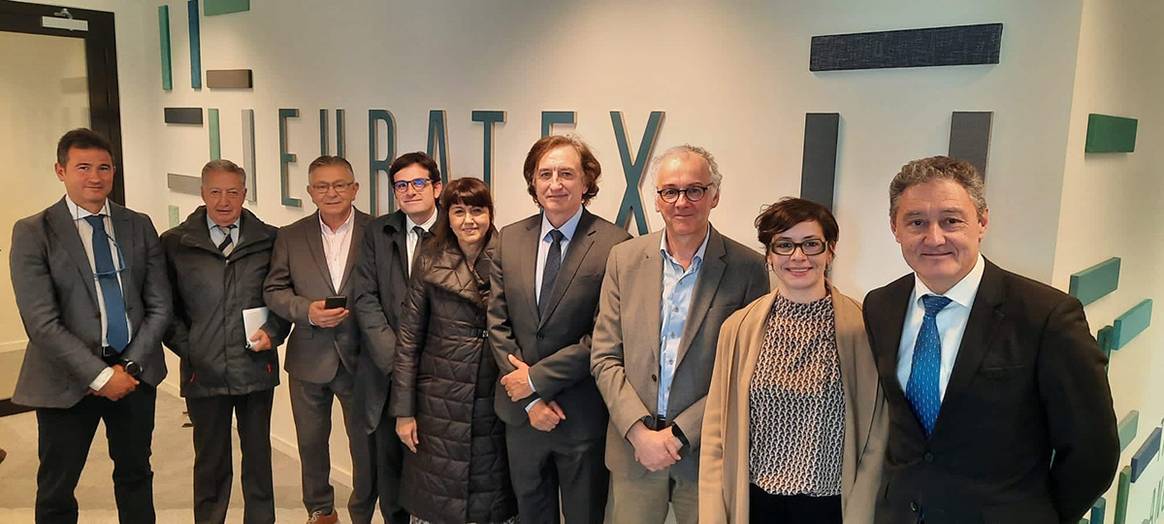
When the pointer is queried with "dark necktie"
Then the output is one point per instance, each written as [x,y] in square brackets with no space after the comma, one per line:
[227,244]
[550,273]
[421,234]
[924,386]
[116,327]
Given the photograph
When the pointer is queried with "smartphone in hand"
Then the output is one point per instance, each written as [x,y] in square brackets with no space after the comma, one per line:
[335,302]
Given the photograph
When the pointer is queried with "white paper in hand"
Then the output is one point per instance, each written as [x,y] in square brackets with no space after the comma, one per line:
[253,319]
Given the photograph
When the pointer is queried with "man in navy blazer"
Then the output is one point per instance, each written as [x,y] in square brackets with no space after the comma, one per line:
[91,287]
[999,405]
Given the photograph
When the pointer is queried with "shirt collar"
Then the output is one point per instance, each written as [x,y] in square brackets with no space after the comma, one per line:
[697,259]
[210,224]
[78,212]
[567,229]
[962,293]
[427,225]
[347,223]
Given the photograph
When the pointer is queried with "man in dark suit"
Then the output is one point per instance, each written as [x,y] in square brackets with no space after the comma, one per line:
[314,259]
[663,300]
[999,405]
[545,282]
[217,260]
[90,283]
[390,245]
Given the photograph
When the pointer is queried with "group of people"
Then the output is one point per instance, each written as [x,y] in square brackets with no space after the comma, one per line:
[558,367]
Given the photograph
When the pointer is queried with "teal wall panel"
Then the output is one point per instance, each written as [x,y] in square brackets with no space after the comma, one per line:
[215,134]
[224,7]
[175,217]
[164,41]
[1097,510]
[1128,427]
[248,137]
[195,45]
[1093,283]
[380,165]
[1110,134]
[551,118]
[286,158]
[438,139]
[1123,489]
[488,119]
[1132,323]
[633,168]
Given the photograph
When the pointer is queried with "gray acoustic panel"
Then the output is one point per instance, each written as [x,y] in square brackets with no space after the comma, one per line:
[191,185]
[970,137]
[818,170]
[229,79]
[933,46]
[183,115]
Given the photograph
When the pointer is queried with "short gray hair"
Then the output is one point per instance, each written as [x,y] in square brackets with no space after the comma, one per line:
[224,165]
[938,168]
[688,149]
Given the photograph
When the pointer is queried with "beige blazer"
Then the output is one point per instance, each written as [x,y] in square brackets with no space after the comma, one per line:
[723,472]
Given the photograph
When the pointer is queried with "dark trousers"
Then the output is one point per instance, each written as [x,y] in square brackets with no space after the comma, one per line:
[540,463]
[311,408]
[213,459]
[766,508]
[388,455]
[64,437]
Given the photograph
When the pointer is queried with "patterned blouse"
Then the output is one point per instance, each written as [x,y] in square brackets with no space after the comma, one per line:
[797,405]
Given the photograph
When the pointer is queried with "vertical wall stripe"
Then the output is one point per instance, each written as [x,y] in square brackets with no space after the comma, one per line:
[286,158]
[175,216]
[164,40]
[323,141]
[818,169]
[438,138]
[970,137]
[248,138]
[195,45]
[488,118]
[215,134]
[377,165]
[340,150]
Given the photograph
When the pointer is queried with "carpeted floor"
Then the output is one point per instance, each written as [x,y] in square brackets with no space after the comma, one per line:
[173,462]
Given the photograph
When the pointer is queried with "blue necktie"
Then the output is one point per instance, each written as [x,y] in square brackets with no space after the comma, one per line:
[116,328]
[923,389]
[550,272]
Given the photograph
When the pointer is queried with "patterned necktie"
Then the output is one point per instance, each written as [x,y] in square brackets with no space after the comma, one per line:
[116,327]
[923,389]
[227,244]
[421,234]
[553,264]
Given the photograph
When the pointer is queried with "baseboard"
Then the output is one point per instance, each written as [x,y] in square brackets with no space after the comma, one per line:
[339,475]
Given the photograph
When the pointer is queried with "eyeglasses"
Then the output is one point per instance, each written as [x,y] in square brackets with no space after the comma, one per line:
[693,193]
[810,247]
[401,186]
[323,187]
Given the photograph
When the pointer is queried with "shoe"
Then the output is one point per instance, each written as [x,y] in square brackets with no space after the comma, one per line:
[319,517]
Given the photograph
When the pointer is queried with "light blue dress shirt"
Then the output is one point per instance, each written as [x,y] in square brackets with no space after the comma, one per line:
[678,288]
[216,234]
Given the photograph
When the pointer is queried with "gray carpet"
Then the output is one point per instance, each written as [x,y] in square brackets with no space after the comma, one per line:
[173,462]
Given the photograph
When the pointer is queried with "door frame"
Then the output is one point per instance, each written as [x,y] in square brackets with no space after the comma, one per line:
[100,61]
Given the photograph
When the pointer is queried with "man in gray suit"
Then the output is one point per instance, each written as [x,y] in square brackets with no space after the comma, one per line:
[664,298]
[313,260]
[90,283]
[388,250]
[545,290]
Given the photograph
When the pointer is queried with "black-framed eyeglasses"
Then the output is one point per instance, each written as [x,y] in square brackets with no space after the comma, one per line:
[339,187]
[692,193]
[401,186]
[810,247]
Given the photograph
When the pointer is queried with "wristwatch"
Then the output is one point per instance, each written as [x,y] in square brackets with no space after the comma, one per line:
[131,367]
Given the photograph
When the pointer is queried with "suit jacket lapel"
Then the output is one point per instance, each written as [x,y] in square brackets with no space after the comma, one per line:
[886,348]
[976,340]
[355,243]
[400,243]
[642,298]
[707,284]
[576,252]
[315,245]
[527,254]
[62,224]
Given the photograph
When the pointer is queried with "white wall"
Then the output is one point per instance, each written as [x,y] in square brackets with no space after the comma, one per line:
[1111,201]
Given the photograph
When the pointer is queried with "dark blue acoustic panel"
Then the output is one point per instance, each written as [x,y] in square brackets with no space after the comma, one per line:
[934,46]
[1145,454]
[818,169]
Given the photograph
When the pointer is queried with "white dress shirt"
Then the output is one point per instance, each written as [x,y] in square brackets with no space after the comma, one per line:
[412,239]
[951,324]
[86,232]
[336,245]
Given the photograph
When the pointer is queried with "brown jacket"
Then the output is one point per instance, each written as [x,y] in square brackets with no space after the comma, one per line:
[723,472]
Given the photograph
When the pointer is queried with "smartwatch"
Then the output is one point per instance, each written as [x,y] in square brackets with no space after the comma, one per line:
[131,367]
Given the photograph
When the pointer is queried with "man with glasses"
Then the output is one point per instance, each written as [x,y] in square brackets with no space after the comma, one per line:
[313,261]
[388,249]
[217,260]
[541,314]
[664,298]
[90,282]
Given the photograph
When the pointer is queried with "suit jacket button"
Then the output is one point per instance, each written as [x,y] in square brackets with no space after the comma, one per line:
[541,336]
[654,378]
[913,506]
[928,457]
